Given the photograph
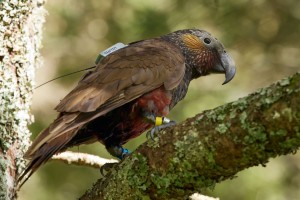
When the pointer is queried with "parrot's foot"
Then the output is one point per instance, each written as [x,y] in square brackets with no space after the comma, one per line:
[106,168]
[118,151]
[160,123]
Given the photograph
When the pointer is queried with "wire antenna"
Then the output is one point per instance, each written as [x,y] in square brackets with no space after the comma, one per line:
[65,76]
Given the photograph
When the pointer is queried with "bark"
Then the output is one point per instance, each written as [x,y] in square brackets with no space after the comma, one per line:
[209,148]
[20,36]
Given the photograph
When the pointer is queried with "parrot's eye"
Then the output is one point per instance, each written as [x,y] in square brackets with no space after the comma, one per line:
[207,41]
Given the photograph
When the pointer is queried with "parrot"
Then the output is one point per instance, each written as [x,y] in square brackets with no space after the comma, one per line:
[130,91]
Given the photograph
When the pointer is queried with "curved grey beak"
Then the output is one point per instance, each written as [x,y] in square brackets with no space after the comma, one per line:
[226,66]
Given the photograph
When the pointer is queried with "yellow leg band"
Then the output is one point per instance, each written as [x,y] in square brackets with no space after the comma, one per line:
[158,121]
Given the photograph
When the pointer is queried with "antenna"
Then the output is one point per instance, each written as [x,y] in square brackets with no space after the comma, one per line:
[102,54]
[64,76]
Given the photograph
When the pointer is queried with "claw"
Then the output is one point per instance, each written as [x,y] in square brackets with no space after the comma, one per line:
[118,151]
[150,134]
[104,169]
[125,153]
[159,122]
[155,130]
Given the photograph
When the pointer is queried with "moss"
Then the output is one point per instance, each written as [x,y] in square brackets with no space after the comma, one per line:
[241,104]
[292,144]
[153,143]
[280,133]
[221,128]
[284,82]
[133,183]
[139,181]
[287,112]
[162,181]
[3,186]
[221,117]
[256,133]
[243,119]
[276,115]
[187,151]
[233,114]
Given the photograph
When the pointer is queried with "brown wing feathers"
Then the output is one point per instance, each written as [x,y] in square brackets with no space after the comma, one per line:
[135,66]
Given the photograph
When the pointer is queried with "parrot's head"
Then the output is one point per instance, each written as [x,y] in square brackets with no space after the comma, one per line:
[204,53]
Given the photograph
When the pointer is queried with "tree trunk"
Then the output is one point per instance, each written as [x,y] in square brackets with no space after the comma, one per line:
[209,148]
[20,37]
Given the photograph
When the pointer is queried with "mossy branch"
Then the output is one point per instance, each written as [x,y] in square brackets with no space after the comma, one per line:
[210,147]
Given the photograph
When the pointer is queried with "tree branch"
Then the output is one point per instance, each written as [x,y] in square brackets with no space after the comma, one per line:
[82,159]
[210,147]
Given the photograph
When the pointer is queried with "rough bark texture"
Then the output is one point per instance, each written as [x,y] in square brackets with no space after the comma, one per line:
[20,35]
[210,147]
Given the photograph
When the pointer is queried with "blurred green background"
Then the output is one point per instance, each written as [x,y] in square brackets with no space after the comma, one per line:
[262,36]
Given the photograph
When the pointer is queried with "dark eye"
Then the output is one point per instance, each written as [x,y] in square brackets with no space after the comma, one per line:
[207,41]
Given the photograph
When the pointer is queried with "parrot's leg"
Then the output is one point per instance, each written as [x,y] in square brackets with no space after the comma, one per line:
[118,151]
[159,122]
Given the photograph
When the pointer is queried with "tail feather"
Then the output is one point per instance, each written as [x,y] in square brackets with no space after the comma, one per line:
[44,153]
[61,134]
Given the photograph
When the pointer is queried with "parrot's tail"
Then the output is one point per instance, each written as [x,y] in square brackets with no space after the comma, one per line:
[39,153]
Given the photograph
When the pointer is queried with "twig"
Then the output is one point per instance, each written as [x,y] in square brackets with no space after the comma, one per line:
[82,159]
[197,196]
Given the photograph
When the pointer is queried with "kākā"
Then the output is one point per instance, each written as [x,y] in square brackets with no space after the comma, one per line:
[130,91]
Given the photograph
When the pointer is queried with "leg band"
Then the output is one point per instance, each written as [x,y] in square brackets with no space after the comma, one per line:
[159,121]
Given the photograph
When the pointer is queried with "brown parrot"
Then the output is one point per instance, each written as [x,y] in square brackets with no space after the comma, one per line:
[130,91]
